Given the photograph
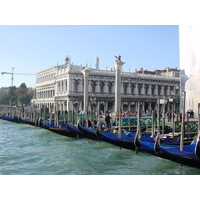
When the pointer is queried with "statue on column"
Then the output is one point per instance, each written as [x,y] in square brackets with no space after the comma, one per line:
[118,58]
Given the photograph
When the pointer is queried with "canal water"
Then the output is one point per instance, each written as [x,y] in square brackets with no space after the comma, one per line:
[28,150]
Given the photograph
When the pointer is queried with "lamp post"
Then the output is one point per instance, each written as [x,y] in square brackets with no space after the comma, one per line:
[93,104]
[76,105]
[176,95]
[183,121]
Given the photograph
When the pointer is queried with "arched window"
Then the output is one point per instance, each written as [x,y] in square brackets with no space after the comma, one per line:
[125,88]
[101,84]
[110,87]
[93,84]
[75,85]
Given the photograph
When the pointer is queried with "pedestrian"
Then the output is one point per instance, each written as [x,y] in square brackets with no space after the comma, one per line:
[169,116]
[107,120]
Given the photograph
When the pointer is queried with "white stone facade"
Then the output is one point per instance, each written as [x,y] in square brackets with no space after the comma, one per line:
[189,45]
[62,86]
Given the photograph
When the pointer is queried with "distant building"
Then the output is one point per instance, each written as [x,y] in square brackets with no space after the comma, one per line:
[4,90]
[174,72]
[62,87]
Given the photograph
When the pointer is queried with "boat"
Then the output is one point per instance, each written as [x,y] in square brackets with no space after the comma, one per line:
[132,129]
[27,121]
[126,139]
[88,132]
[74,129]
[189,156]
[62,129]
[168,140]
[11,119]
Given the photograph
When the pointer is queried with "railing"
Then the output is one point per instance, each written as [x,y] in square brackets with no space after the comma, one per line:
[190,127]
[145,121]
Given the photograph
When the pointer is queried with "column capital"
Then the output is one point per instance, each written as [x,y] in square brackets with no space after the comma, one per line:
[118,65]
[86,71]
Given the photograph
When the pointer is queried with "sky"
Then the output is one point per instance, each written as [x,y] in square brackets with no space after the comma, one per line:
[32,48]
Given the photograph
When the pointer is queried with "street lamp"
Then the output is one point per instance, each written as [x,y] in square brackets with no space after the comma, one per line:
[176,95]
[76,105]
[93,104]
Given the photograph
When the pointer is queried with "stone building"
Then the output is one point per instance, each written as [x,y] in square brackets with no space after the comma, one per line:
[62,87]
[189,46]
[4,90]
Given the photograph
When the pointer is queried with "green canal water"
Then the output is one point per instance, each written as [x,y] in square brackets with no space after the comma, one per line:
[28,150]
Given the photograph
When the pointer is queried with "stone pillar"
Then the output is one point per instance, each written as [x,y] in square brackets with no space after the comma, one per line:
[85,72]
[128,91]
[129,106]
[118,66]
[168,90]
[150,108]
[89,86]
[106,87]
[143,108]
[143,89]
[136,91]
[106,106]
[64,86]
[149,89]
[69,106]
[97,87]
[162,90]
[156,90]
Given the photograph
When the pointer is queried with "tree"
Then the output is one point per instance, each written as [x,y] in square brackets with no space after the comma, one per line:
[23,85]
[24,99]
[5,99]
[13,97]
[17,96]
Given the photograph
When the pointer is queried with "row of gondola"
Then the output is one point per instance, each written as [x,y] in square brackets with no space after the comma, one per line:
[136,139]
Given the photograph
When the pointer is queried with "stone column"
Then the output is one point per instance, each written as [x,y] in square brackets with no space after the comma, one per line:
[168,90]
[143,89]
[97,87]
[118,66]
[136,89]
[162,90]
[128,88]
[149,89]
[85,72]
[89,86]
[64,86]
[156,90]
[143,109]
[106,87]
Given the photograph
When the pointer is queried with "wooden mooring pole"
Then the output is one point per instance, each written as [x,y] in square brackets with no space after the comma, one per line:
[183,123]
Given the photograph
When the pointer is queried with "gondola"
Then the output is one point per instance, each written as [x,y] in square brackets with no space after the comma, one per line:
[189,156]
[74,129]
[129,140]
[11,119]
[170,141]
[62,130]
[88,132]
[26,121]
[132,129]
[125,141]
